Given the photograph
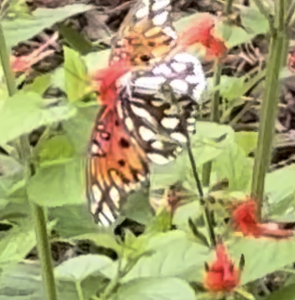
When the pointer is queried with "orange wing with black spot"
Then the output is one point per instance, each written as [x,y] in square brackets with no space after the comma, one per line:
[146,35]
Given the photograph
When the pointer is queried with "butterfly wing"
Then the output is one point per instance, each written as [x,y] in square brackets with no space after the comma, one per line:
[146,35]
[115,166]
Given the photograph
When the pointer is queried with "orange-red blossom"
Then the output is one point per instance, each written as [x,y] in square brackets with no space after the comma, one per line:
[244,220]
[222,275]
[201,32]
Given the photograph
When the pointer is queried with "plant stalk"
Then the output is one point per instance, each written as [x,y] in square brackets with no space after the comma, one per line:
[24,150]
[206,213]
[206,170]
[277,58]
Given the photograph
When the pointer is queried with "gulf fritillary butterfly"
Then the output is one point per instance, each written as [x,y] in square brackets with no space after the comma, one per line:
[148,111]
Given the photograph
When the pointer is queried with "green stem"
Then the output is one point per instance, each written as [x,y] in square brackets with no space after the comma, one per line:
[44,253]
[24,150]
[5,61]
[228,7]
[276,60]
[206,171]
[114,282]
[79,291]
[206,214]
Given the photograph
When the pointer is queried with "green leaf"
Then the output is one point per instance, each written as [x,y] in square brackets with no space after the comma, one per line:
[22,29]
[17,242]
[262,256]
[97,60]
[230,87]
[78,129]
[76,76]
[73,221]
[55,150]
[58,185]
[235,166]
[94,61]
[173,255]
[25,112]
[103,239]
[254,22]
[280,189]
[247,140]
[156,289]
[76,40]
[286,293]
[11,174]
[22,282]
[208,143]
[79,268]
[137,207]
[39,85]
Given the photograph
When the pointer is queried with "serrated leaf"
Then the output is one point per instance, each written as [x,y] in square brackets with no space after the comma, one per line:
[156,289]
[79,268]
[173,254]
[76,76]
[22,29]
[58,185]
[25,112]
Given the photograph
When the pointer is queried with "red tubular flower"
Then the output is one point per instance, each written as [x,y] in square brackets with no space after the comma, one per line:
[222,275]
[244,218]
[201,32]
[104,80]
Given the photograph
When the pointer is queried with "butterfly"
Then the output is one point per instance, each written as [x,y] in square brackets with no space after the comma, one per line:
[145,120]
[150,95]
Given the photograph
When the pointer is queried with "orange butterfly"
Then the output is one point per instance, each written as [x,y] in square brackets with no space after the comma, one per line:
[147,115]
[148,110]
